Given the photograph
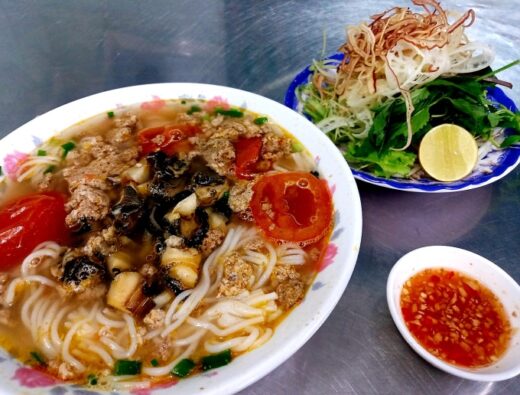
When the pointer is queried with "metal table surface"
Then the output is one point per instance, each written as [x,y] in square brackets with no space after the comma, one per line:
[52,52]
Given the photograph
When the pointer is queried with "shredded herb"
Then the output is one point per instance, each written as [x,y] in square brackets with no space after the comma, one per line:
[92,379]
[41,152]
[49,169]
[110,114]
[183,368]
[38,358]
[1,171]
[194,109]
[260,120]
[232,112]
[154,362]
[67,147]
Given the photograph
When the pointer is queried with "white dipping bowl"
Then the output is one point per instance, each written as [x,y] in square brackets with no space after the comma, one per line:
[324,293]
[479,268]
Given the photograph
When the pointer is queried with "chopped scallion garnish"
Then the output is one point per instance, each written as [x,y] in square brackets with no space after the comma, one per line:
[154,362]
[260,120]
[110,114]
[92,379]
[232,112]
[193,109]
[67,147]
[38,358]
[125,367]
[183,368]
[216,360]
[296,147]
[49,169]
[41,152]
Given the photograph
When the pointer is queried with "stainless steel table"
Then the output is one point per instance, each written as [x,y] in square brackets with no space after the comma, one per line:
[52,52]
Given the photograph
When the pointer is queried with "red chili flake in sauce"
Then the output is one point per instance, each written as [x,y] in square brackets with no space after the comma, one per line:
[455,318]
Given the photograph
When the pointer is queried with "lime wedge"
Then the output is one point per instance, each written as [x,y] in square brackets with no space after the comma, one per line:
[448,152]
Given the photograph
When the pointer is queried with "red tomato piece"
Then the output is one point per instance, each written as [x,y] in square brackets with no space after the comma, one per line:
[170,139]
[247,155]
[292,206]
[29,221]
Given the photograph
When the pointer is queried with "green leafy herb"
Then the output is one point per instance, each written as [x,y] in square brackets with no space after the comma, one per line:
[461,100]
[194,109]
[92,379]
[154,362]
[260,120]
[216,360]
[110,114]
[1,171]
[125,367]
[41,152]
[50,169]
[183,368]
[183,101]
[232,112]
[67,147]
[38,358]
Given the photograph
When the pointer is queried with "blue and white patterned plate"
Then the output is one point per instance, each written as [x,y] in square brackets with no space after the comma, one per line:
[493,166]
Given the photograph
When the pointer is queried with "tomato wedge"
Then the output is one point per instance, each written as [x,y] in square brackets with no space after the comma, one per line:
[170,139]
[293,206]
[247,155]
[29,221]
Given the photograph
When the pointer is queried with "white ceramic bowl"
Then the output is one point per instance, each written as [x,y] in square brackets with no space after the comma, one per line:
[486,272]
[328,286]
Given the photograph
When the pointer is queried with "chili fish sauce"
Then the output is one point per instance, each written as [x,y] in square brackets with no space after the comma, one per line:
[455,317]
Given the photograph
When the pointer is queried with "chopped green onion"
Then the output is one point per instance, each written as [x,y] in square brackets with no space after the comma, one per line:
[232,112]
[92,379]
[1,171]
[38,358]
[154,362]
[110,114]
[183,368]
[41,152]
[194,109]
[67,147]
[216,360]
[125,367]
[183,101]
[296,147]
[260,120]
[49,169]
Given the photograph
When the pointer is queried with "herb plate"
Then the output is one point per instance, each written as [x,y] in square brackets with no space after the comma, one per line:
[496,164]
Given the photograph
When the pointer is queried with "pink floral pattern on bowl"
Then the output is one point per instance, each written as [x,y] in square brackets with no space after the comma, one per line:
[32,378]
[12,162]
[15,379]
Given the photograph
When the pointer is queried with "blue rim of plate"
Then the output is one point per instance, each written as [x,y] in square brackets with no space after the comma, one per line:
[506,162]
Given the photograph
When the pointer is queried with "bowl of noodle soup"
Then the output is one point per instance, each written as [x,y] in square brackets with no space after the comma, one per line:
[166,262]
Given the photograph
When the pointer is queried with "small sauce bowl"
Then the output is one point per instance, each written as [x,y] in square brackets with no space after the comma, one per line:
[482,270]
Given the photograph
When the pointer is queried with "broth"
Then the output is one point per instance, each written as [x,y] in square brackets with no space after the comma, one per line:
[163,262]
